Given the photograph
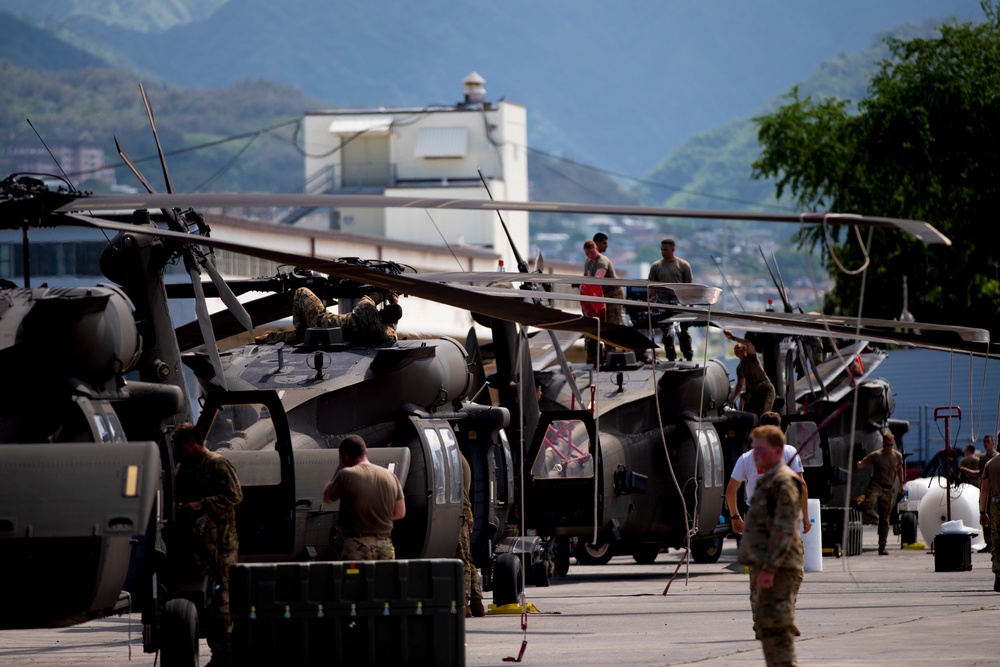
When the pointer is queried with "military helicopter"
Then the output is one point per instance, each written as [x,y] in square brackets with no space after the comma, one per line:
[116,424]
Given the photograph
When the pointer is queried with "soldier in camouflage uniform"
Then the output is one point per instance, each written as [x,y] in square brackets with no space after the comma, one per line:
[881,490]
[989,517]
[371,498]
[365,325]
[772,547]
[204,541]
[473,591]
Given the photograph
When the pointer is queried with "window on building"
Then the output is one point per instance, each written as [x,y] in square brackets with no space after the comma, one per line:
[442,142]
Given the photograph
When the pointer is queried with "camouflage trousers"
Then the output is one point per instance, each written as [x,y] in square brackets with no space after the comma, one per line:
[683,338]
[994,534]
[774,615]
[880,497]
[366,547]
[216,622]
[473,591]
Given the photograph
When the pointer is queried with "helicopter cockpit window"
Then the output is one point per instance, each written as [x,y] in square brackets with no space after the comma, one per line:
[241,427]
[437,461]
[565,451]
[108,428]
[454,464]
[805,437]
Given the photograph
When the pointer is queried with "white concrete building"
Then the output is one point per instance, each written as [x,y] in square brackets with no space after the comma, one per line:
[425,152]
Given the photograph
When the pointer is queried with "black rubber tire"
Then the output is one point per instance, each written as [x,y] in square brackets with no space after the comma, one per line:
[908,528]
[179,634]
[539,574]
[646,554]
[507,585]
[707,550]
[594,554]
[560,559]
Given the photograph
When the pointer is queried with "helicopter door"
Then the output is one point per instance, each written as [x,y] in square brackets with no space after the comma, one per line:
[250,429]
[444,486]
[562,489]
[813,445]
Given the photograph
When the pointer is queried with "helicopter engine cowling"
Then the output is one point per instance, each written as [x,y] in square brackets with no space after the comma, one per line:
[86,333]
[700,391]
[449,371]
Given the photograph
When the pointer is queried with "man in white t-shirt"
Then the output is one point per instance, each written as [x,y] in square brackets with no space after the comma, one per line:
[745,470]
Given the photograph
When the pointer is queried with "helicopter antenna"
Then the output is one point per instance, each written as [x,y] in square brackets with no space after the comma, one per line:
[781,281]
[156,137]
[777,284]
[65,175]
[131,165]
[522,266]
[715,260]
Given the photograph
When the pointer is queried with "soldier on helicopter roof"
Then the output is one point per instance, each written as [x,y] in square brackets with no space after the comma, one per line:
[364,325]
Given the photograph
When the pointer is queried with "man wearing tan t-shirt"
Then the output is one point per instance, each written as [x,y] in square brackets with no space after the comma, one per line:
[881,492]
[371,498]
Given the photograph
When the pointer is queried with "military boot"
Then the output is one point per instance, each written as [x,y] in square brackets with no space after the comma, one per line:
[476,605]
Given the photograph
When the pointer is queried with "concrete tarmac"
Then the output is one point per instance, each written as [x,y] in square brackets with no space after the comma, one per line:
[862,610]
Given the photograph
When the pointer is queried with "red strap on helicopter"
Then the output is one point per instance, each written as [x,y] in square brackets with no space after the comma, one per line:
[676,569]
[524,642]
[520,654]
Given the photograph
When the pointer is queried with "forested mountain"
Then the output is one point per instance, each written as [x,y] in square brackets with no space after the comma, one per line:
[614,85]
[717,162]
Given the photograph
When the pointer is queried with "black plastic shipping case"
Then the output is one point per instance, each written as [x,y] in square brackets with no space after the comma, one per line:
[833,535]
[408,613]
[952,552]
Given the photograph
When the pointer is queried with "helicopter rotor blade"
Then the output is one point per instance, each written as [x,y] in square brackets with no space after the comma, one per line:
[528,314]
[933,336]
[919,229]
[205,324]
[224,324]
[227,296]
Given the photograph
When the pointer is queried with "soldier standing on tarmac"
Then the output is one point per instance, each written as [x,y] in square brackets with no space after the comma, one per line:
[207,495]
[772,547]
[881,490]
[989,513]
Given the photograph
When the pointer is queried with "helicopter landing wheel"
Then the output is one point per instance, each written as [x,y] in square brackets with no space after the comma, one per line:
[507,588]
[908,528]
[646,554]
[707,550]
[179,634]
[594,554]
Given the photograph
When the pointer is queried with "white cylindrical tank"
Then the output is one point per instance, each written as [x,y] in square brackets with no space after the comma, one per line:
[933,509]
[812,542]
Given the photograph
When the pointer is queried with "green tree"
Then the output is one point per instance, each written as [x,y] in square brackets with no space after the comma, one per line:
[923,144]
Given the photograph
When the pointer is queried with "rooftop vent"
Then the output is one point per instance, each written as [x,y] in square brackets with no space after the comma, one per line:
[474,91]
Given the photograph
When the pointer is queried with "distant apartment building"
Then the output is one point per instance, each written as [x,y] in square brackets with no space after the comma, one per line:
[434,152]
[82,158]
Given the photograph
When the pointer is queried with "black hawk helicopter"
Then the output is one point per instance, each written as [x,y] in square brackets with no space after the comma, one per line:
[107,361]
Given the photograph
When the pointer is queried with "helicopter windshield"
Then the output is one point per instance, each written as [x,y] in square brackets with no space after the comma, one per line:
[241,427]
[804,436]
[565,451]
